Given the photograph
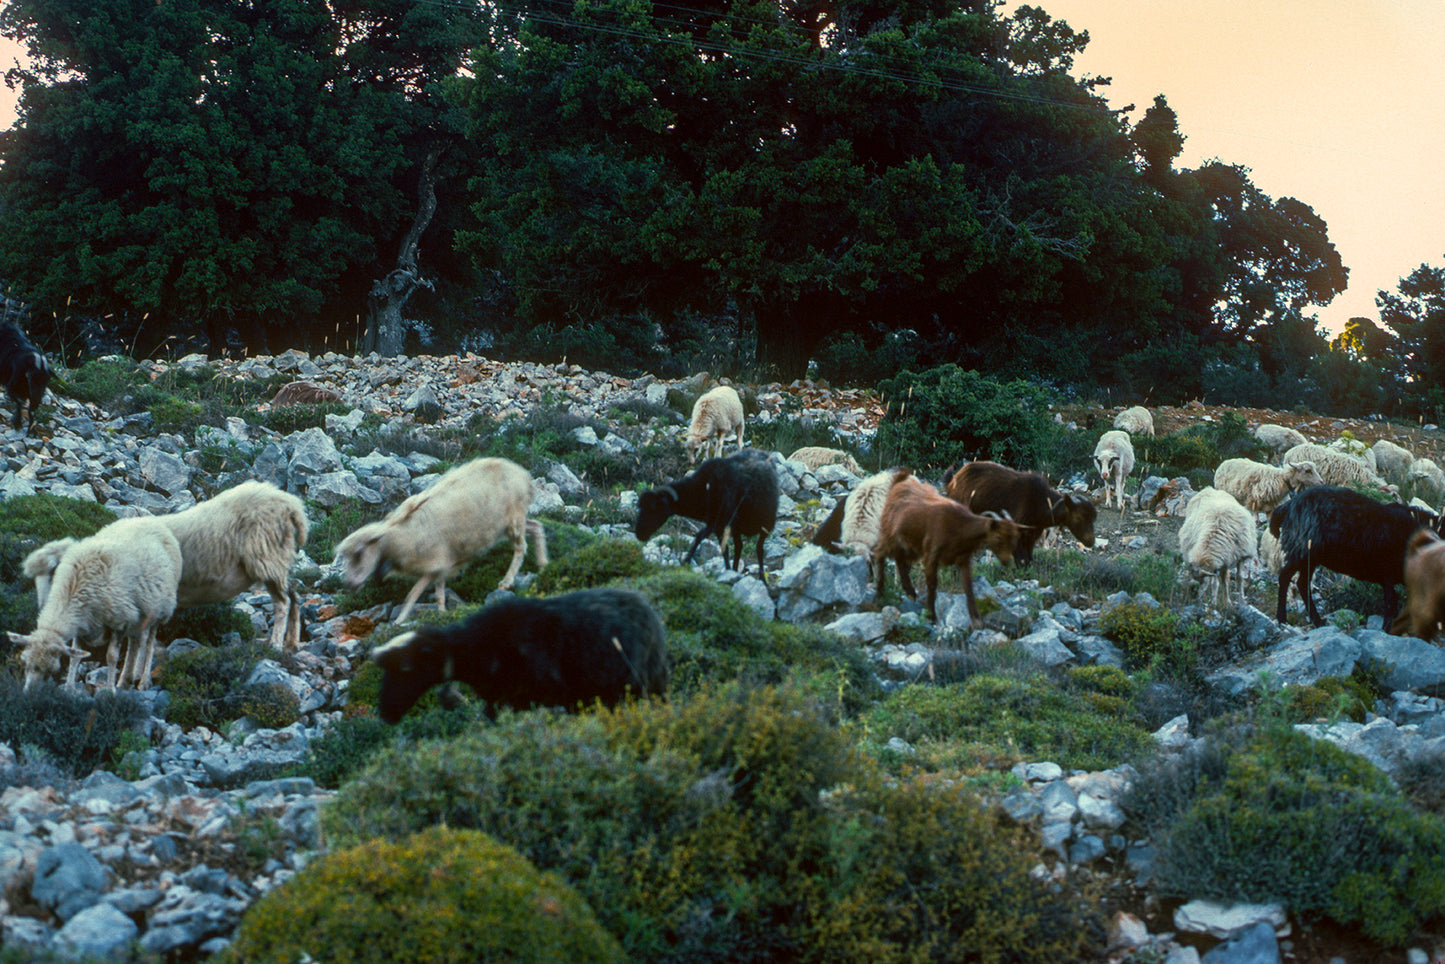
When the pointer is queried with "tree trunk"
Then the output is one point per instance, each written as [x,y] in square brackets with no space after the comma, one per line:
[784,345]
[385,328]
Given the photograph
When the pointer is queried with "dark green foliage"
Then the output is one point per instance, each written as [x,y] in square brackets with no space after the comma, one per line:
[594,564]
[270,705]
[102,381]
[1141,630]
[207,684]
[1266,814]
[735,825]
[76,733]
[790,433]
[207,624]
[1082,721]
[330,526]
[298,418]
[482,576]
[946,415]
[443,895]
[27,523]
[712,637]
[1197,450]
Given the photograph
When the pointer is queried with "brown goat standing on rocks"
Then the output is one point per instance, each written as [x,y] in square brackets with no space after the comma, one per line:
[1424,610]
[921,523]
[1026,498]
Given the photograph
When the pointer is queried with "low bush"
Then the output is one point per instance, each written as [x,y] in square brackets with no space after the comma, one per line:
[207,685]
[443,895]
[1141,630]
[1263,813]
[75,733]
[595,564]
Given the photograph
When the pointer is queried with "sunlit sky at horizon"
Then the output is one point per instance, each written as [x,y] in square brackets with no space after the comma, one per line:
[1338,103]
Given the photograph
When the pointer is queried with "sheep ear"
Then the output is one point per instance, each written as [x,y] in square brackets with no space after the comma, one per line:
[77,652]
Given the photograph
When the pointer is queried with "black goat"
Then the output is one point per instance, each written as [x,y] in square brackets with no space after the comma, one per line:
[1026,498]
[1340,529]
[24,371]
[569,650]
[736,496]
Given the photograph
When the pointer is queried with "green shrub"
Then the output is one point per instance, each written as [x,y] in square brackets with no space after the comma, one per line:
[103,381]
[1198,448]
[76,733]
[947,414]
[271,706]
[208,623]
[298,418]
[1265,814]
[1141,630]
[442,895]
[592,565]
[206,685]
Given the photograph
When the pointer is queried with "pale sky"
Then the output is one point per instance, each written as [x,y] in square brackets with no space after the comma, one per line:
[1338,103]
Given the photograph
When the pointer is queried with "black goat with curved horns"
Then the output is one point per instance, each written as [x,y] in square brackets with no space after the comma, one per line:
[733,496]
[24,371]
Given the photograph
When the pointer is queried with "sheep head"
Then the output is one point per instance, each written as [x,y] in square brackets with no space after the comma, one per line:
[413,662]
[653,509]
[42,654]
[360,552]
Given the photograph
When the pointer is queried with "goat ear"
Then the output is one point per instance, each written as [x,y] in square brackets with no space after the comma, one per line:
[77,652]
[17,639]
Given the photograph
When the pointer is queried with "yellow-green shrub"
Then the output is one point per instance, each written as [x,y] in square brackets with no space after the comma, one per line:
[440,896]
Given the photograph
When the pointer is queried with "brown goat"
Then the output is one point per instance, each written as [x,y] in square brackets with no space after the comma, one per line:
[921,523]
[1026,498]
[1424,587]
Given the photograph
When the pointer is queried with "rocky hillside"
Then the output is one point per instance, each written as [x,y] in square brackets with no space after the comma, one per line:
[168,856]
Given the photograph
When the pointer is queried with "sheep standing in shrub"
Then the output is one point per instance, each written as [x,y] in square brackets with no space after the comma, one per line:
[921,523]
[715,416]
[1136,421]
[117,585]
[1026,498]
[434,533]
[1393,463]
[1278,439]
[1261,487]
[1424,609]
[1218,536]
[24,371]
[732,497]
[567,651]
[1114,458]
[817,456]
[1347,532]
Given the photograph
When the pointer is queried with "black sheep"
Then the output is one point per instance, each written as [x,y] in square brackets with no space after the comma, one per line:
[736,496]
[24,371]
[567,651]
[1340,529]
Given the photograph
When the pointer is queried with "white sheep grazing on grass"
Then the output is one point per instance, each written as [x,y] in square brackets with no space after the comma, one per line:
[247,535]
[1427,482]
[1114,458]
[116,586]
[1393,463]
[1217,536]
[436,532]
[1278,439]
[817,456]
[1260,487]
[715,416]
[1336,467]
[1135,421]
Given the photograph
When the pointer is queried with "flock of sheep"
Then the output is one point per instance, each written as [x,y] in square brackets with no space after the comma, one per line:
[109,592]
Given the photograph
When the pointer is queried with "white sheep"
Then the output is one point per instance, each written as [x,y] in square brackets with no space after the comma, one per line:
[118,585]
[1135,421]
[1427,482]
[1217,536]
[1393,462]
[817,456]
[1335,466]
[1261,487]
[1114,458]
[1361,451]
[1278,439]
[715,416]
[434,533]
[863,511]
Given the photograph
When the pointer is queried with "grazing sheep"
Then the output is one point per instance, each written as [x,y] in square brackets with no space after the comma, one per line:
[1261,487]
[1218,536]
[921,523]
[245,536]
[1026,498]
[816,456]
[1336,467]
[1350,533]
[715,416]
[25,372]
[1424,587]
[434,533]
[1278,439]
[118,585]
[567,651]
[1114,458]
[732,497]
[1393,463]
[1427,482]
[1135,421]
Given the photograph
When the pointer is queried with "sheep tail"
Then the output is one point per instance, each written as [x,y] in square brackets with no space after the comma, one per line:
[539,541]
[302,526]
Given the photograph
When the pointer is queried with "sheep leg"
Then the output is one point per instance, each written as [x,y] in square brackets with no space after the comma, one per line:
[293,620]
[280,614]
[702,534]
[761,537]
[740,436]
[539,541]
[412,597]
[1286,576]
[519,550]
[1306,573]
